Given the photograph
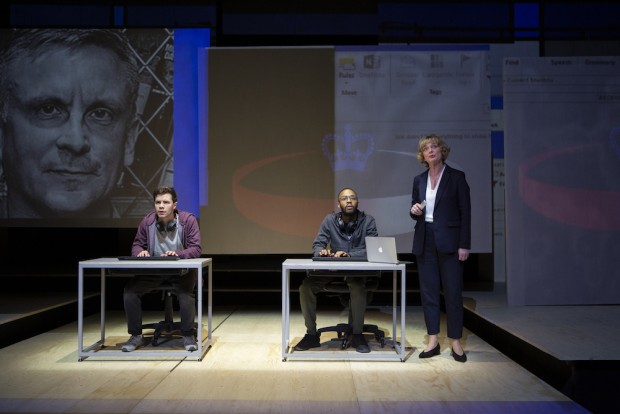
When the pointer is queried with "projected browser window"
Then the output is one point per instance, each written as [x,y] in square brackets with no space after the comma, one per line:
[562,191]
[288,127]
[386,98]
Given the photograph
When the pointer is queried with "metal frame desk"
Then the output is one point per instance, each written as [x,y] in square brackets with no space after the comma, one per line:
[113,263]
[309,264]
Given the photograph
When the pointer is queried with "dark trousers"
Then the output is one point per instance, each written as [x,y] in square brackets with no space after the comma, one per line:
[315,284]
[437,270]
[183,286]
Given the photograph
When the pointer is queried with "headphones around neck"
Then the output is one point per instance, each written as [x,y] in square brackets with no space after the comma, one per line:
[348,227]
[167,227]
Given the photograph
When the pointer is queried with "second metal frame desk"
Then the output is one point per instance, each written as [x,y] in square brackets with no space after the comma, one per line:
[309,264]
[113,263]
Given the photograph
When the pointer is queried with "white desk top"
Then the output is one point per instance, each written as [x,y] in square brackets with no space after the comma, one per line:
[114,263]
[309,264]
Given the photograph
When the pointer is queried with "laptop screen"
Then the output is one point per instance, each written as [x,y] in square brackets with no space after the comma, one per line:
[381,249]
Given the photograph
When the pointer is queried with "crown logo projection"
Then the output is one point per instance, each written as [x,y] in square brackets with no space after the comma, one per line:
[350,152]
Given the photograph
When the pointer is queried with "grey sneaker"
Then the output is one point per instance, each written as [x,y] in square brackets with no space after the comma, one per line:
[135,342]
[189,342]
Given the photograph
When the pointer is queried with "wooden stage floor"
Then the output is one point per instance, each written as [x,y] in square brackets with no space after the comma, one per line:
[244,373]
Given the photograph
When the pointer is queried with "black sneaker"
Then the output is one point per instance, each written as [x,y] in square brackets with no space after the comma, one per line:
[307,342]
[360,344]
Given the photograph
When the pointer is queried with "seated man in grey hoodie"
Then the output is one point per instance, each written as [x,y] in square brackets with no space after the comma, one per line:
[341,234]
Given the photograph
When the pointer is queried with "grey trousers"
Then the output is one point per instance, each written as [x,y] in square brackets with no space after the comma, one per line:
[183,286]
[315,284]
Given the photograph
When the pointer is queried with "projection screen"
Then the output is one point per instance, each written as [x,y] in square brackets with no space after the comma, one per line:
[289,127]
[562,190]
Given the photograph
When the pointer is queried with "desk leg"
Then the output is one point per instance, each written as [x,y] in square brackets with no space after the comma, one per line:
[80,312]
[209,302]
[102,310]
[199,307]
[397,347]
[403,309]
[285,311]
[394,307]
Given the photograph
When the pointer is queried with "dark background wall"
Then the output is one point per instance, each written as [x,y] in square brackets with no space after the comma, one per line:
[303,22]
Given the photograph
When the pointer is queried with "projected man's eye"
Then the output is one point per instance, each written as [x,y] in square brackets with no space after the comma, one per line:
[101,116]
[49,112]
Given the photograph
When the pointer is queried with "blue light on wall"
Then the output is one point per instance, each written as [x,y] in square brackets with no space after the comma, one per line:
[119,16]
[526,17]
[188,44]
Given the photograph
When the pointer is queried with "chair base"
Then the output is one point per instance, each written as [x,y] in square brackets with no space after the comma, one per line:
[344,333]
[169,328]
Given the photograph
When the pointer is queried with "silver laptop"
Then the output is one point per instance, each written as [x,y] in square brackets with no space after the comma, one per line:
[381,249]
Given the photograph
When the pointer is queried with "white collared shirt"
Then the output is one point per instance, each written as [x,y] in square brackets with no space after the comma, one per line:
[431,195]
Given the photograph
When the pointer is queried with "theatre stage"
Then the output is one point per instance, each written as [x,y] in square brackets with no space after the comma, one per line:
[244,373]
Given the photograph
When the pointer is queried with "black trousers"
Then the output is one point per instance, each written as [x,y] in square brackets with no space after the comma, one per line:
[312,285]
[183,285]
[437,270]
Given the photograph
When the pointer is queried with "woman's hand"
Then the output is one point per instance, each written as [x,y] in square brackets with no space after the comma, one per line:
[417,209]
[463,254]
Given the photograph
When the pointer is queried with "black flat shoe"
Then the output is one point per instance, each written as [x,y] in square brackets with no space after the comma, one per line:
[459,358]
[431,353]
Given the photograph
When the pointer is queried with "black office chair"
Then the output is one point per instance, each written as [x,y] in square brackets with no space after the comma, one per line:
[167,326]
[339,288]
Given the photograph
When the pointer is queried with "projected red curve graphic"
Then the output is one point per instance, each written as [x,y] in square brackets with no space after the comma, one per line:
[595,209]
[297,216]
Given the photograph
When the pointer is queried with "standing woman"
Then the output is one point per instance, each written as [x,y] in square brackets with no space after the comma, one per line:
[441,208]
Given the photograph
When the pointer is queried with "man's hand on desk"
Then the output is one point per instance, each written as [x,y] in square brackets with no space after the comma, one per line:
[145,253]
[327,252]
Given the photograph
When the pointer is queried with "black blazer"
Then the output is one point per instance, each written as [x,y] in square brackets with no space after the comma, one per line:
[452,213]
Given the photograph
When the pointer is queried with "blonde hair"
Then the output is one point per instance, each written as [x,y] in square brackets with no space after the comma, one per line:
[435,139]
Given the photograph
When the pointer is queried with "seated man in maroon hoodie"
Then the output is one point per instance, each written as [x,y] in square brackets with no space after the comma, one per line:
[164,232]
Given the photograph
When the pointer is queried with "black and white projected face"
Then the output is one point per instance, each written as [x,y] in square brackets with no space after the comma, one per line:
[85,131]
[66,134]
